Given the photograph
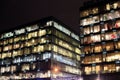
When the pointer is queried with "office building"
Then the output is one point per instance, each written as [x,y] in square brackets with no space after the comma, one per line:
[46,49]
[100,39]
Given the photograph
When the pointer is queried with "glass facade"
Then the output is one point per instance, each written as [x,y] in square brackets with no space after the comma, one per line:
[99,37]
[36,50]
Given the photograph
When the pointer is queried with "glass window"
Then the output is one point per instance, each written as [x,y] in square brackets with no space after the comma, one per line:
[87,60]
[98,69]
[7,54]
[38,49]
[17,53]
[117,24]
[42,32]
[11,40]
[109,36]
[77,50]
[109,68]
[95,38]
[98,48]
[115,5]
[27,50]
[117,45]
[117,68]
[33,66]
[96,59]
[13,68]
[84,13]
[87,50]
[104,17]
[2,69]
[16,46]
[62,51]
[32,34]
[108,7]
[25,67]
[8,69]
[109,46]
[32,28]
[94,10]
[88,70]
[46,56]
[86,30]
[96,28]
[31,42]
[6,48]
[16,39]
[113,57]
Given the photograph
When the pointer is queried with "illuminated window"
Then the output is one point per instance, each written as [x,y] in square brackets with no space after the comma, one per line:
[108,7]
[8,69]
[10,40]
[109,68]
[98,48]
[41,32]
[62,51]
[33,66]
[96,59]
[78,57]
[87,40]
[87,50]
[115,5]
[86,30]
[16,46]
[31,42]
[42,40]
[88,70]
[17,53]
[118,45]
[4,55]
[32,28]
[2,69]
[87,60]
[109,46]
[26,50]
[96,28]
[113,57]
[77,50]
[20,31]
[6,48]
[33,34]
[94,10]
[13,68]
[49,23]
[104,17]
[95,38]
[93,69]
[109,36]
[38,49]
[16,39]
[25,67]
[117,24]
[84,13]
[98,69]
[117,68]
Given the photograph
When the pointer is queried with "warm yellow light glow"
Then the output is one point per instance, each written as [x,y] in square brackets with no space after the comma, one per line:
[56,69]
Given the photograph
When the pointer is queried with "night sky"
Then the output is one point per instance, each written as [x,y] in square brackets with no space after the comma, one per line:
[17,12]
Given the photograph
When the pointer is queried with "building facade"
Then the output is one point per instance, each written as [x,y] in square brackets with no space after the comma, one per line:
[46,49]
[100,39]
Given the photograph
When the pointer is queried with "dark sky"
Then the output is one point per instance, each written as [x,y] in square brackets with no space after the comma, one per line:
[16,12]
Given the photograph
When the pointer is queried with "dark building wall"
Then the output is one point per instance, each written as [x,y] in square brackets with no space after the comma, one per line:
[109,76]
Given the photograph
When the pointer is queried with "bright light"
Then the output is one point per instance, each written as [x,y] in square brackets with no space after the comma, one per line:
[56,69]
